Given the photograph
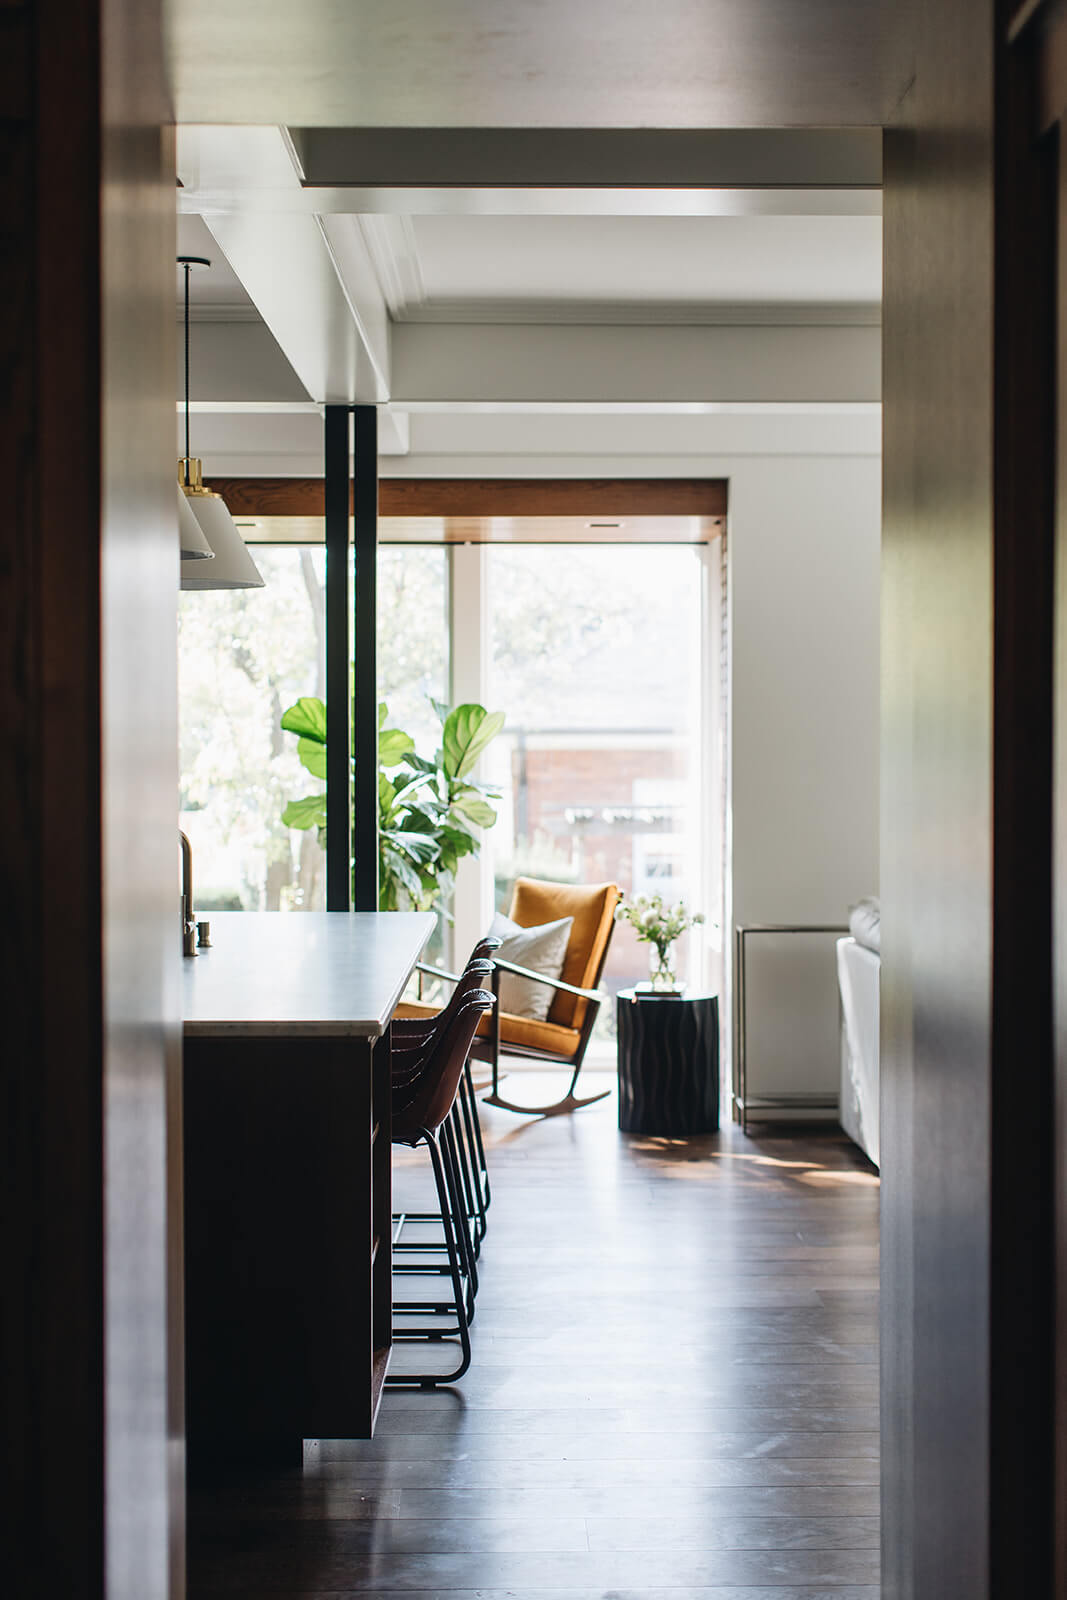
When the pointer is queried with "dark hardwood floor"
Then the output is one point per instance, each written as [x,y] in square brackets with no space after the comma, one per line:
[674,1393]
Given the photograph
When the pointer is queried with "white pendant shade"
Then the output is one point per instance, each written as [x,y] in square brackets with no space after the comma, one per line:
[206,524]
[233,567]
[191,540]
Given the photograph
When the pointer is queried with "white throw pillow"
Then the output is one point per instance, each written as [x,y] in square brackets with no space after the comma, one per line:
[542,949]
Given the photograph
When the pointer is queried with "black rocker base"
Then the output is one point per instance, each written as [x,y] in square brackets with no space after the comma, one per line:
[558,1108]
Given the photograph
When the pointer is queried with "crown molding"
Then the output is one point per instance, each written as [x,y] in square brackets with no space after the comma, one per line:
[641,313]
[390,241]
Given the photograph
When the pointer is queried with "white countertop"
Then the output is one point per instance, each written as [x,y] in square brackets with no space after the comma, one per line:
[310,973]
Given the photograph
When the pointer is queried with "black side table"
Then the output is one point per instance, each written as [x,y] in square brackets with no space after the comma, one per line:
[668,1063]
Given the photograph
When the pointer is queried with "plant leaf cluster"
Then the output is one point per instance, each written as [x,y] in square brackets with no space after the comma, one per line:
[430,810]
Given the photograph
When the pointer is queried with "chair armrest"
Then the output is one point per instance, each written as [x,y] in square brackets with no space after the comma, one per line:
[595,995]
[437,972]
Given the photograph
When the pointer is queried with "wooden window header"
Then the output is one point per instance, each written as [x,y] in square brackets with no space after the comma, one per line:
[494,510]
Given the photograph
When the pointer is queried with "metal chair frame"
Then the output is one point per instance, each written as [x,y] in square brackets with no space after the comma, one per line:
[424,1082]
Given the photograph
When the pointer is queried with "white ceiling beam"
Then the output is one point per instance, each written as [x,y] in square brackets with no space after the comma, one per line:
[425,200]
[332,326]
[459,366]
[589,158]
[272,441]
[506,443]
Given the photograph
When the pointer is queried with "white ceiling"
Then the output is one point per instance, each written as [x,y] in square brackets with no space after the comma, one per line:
[481,299]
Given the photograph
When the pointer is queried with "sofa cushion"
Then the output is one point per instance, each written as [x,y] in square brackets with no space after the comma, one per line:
[865,923]
[513,1030]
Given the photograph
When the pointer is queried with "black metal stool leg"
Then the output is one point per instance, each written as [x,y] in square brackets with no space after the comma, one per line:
[465,1160]
[469,1101]
[459,1214]
[447,1200]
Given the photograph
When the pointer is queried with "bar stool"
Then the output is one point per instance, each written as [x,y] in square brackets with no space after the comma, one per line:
[409,1030]
[421,1106]
[412,1039]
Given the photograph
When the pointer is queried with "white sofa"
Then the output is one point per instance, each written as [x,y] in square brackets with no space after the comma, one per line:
[859,965]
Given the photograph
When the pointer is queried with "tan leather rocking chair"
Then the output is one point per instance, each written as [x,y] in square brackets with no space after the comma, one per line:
[563,1037]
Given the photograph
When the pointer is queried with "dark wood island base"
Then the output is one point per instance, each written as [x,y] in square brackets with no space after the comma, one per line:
[286,1242]
[287,1204]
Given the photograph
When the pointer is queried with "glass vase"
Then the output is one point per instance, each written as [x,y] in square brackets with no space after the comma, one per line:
[661,966]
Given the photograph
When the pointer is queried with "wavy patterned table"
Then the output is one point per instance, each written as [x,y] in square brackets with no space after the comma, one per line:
[668,1063]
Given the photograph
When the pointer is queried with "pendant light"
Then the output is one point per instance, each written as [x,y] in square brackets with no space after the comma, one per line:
[191,540]
[231,567]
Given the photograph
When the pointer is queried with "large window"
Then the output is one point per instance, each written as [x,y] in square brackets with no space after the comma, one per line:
[244,656]
[413,638]
[599,656]
[596,660]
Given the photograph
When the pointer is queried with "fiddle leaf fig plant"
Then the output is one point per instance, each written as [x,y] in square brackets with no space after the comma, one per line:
[430,811]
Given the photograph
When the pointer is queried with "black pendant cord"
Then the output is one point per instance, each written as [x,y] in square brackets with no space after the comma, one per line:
[188,263]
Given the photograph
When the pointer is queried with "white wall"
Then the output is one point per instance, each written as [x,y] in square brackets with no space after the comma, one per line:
[804,557]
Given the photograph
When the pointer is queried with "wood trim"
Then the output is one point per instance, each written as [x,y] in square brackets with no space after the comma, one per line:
[553,497]
[1050,47]
[485,497]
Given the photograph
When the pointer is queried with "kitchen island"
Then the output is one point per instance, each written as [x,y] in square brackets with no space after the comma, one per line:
[286,1168]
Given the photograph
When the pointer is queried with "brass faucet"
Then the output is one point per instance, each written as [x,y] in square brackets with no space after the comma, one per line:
[188,923]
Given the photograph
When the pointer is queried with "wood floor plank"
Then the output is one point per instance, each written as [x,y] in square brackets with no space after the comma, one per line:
[674,1394]
[613,1446]
[805,1592]
[627,1476]
[649,1500]
[339,1561]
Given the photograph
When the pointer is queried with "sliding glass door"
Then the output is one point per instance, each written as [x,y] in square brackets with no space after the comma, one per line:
[596,657]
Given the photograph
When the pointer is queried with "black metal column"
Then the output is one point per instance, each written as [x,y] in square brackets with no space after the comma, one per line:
[338,728]
[365,698]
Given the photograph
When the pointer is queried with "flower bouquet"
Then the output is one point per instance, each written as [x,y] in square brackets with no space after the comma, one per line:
[659,926]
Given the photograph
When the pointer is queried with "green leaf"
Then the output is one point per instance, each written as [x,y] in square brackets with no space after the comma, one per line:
[313,757]
[454,846]
[421,764]
[307,813]
[307,718]
[383,712]
[489,791]
[393,746]
[416,820]
[440,707]
[386,794]
[408,787]
[403,871]
[446,882]
[475,809]
[419,847]
[469,729]
[456,823]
